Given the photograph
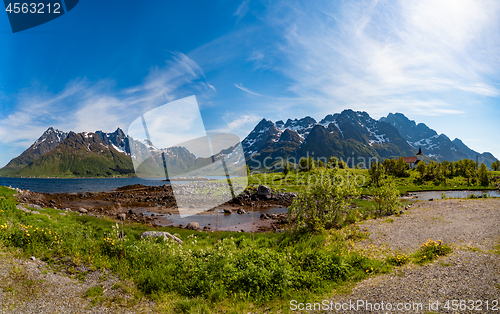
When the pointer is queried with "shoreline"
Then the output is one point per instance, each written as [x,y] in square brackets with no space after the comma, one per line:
[156,205]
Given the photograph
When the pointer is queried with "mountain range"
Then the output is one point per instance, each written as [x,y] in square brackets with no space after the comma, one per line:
[62,154]
[348,135]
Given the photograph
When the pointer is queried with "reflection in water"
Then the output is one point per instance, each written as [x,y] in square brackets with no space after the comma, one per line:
[217,219]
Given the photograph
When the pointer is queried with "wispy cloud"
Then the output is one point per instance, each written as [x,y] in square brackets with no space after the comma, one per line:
[89,106]
[407,52]
[240,86]
[238,123]
[242,10]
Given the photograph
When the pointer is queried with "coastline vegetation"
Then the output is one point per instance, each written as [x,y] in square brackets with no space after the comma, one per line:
[223,272]
[229,271]
[432,176]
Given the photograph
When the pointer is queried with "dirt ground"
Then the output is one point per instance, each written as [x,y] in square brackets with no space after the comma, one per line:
[471,273]
[31,286]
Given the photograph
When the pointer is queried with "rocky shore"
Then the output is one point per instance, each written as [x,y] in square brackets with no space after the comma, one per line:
[143,204]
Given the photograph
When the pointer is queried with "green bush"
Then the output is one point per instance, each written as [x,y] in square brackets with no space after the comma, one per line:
[387,198]
[398,260]
[324,204]
[431,250]
[94,292]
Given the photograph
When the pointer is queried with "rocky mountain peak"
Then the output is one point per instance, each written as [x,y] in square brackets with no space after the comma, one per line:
[433,145]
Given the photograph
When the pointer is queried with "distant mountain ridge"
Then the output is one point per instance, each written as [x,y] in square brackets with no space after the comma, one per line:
[350,135]
[347,135]
[48,141]
[438,146]
[99,154]
[85,154]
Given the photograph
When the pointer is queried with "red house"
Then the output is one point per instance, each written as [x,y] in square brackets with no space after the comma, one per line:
[413,161]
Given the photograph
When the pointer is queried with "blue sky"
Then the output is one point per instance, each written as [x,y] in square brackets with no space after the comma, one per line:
[102,64]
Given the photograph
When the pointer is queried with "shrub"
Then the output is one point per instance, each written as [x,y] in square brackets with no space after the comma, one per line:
[387,198]
[94,292]
[397,260]
[324,204]
[431,250]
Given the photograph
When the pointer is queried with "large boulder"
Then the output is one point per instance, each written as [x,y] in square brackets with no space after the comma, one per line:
[193,226]
[160,234]
[264,191]
[82,210]
[121,216]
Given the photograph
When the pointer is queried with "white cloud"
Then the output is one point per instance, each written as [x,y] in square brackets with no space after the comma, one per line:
[240,86]
[242,10]
[238,124]
[90,106]
[363,53]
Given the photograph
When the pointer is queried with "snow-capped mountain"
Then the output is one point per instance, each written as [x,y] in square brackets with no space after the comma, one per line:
[48,141]
[58,153]
[434,145]
[346,135]
[351,134]
[117,139]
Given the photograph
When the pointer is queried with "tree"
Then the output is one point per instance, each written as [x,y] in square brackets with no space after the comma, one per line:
[307,164]
[343,165]
[387,198]
[439,173]
[286,168]
[469,170]
[248,170]
[376,172]
[483,175]
[401,167]
[323,205]
[332,162]
[421,168]
[389,165]
[321,164]
[495,166]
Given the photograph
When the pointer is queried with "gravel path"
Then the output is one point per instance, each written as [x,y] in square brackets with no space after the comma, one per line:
[472,272]
[30,286]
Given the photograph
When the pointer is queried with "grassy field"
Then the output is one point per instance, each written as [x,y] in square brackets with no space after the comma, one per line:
[295,182]
[222,272]
[218,272]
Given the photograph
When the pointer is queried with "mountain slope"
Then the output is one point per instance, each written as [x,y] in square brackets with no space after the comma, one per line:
[348,135]
[48,141]
[81,155]
[433,145]
[101,154]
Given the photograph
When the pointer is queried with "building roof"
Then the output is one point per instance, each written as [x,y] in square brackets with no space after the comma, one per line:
[410,160]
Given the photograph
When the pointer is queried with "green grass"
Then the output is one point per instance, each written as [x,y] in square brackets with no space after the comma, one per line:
[431,250]
[220,272]
[94,292]
[295,182]
[428,252]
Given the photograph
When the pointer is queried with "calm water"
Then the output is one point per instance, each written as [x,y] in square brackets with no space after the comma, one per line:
[427,195]
[43,185]
[232,222]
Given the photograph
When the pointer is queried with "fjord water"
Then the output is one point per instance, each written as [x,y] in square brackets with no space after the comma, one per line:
[427,195]
[54,185]
[49,185]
